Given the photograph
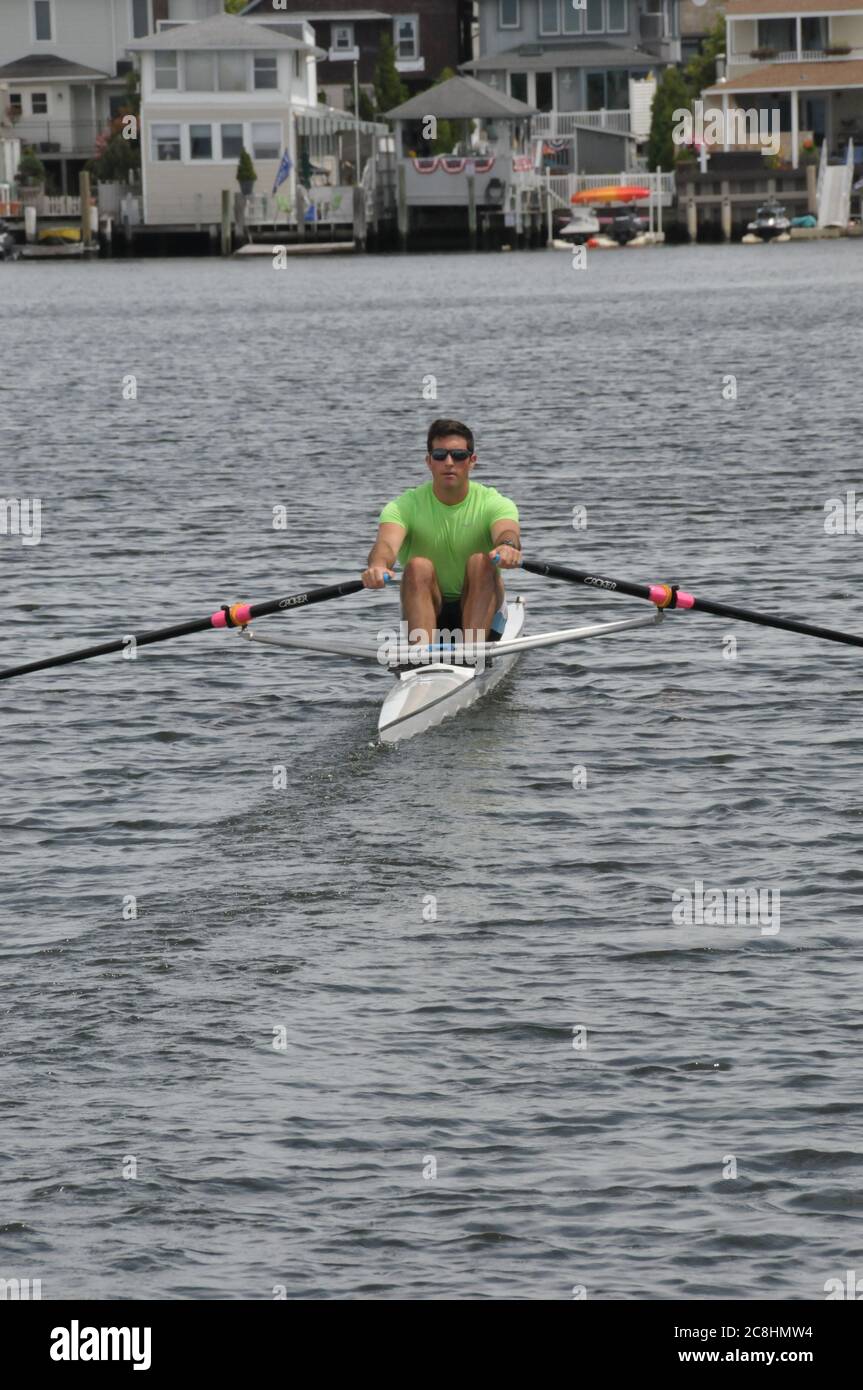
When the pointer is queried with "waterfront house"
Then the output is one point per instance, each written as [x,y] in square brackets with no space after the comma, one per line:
[485,185]
[563,59]
[212,89]
[427,35]
[63,68]
[800,58]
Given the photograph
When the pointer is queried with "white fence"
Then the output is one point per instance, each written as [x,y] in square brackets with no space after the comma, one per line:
[557,123]
[59,207]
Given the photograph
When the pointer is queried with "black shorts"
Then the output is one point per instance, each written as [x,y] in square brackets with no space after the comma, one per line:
[449,617]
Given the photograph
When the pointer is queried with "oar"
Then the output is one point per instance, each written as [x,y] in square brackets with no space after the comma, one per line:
[670,596]
[234,616]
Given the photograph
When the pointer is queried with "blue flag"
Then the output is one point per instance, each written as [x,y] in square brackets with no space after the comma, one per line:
[283,170]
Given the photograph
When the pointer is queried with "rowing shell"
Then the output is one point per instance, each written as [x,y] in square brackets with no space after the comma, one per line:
[422,698]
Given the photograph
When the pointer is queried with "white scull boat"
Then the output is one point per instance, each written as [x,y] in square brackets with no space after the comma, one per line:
[427,691]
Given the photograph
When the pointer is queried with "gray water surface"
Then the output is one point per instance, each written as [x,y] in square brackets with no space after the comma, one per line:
[428,925]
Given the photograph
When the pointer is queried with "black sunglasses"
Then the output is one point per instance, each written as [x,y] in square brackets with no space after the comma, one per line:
[457,455]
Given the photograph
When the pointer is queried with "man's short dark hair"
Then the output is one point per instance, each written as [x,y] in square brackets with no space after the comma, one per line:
[441,429]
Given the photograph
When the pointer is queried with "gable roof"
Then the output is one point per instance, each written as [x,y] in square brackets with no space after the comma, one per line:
[47,67]
[460,98]
[222,31]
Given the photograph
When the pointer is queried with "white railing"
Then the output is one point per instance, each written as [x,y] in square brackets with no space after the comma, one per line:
[50,137]
[556,123]
[805,55]
[60,207]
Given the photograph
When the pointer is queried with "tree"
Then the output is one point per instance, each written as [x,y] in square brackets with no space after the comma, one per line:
[700,71]
[246,172]
[367,106]
[672,94]
[117,152]
[447,131]
[31,170]
[235,6]
[390,91]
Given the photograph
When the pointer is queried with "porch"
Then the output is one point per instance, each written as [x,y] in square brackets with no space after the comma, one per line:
[815,103]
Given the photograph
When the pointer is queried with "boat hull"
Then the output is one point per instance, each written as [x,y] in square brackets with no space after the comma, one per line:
[422,698]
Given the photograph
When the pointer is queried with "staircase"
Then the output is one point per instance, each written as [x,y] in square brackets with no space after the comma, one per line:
[834,189]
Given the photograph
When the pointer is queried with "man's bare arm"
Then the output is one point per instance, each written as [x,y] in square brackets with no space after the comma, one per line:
[383,554]
[507,543]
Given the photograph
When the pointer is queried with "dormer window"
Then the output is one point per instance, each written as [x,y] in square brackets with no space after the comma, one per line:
[266,71]
[166,72]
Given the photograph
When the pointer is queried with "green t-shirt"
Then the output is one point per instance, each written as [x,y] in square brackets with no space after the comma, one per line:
[447,535]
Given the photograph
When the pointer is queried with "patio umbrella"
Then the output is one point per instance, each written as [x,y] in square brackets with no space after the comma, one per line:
[613,193]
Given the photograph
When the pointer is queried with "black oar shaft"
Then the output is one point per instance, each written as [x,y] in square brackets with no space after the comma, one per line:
[668,596]
[239,614]
[745,615]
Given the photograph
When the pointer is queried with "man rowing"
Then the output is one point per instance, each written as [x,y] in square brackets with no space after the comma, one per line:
[453,537]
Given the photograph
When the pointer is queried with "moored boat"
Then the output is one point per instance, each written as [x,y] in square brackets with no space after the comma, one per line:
[770,221]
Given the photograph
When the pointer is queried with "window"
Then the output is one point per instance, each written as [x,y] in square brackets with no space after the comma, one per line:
[200,142]
[544,92]
[780,34]
[166,72]
[549,16]
[16,101]
[508,16]
[266,71]
[343,36]
[617,16]
[233,72]
[571,18]
[266,139]
[596,91]
[200,72]
[813,34]
[39,103]
[594,17]
[232,141]
[618,89]
[43,28]
[165,141]
[140,18]
[406,36]
[518,85]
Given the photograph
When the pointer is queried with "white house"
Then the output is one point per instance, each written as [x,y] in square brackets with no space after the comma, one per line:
[801,59]
[211,89]
[63,65]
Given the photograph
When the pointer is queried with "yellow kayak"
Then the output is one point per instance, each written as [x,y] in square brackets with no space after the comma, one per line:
[58,234]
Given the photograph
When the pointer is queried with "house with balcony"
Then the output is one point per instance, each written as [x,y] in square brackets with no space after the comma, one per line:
[563,58]
[427,37]
[586,67]
[63,69]
[210,90]
[801,59]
